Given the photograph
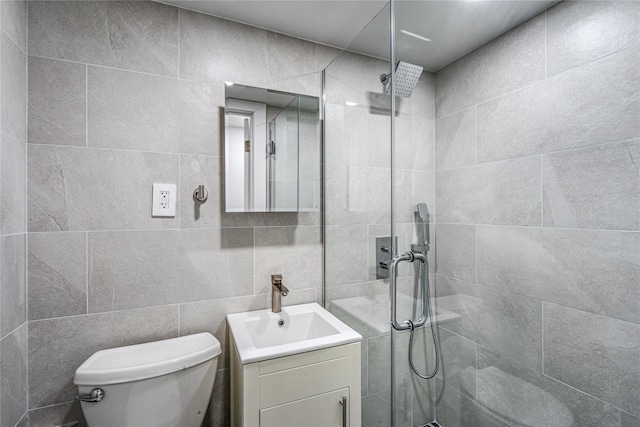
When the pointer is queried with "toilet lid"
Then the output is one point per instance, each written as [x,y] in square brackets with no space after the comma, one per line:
[142,361]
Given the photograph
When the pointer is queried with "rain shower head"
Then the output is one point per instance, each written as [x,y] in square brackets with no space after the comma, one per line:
[407,76]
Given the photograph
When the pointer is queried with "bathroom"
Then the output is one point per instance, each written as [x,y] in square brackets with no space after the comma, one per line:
[525,147]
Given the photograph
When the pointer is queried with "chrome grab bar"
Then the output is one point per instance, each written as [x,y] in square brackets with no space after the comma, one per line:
[393,279]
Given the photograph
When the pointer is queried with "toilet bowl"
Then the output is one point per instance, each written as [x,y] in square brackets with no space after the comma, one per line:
[158,384]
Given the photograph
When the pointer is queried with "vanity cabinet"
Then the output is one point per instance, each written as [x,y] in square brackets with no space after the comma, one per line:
[318,388]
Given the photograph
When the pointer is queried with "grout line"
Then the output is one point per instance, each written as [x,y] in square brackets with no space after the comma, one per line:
[126,150]
[86,106]
[86,267]
[546,71]
[476,254]
[542,190]
[542,334]
[179,42]
[476,131]
[534,227]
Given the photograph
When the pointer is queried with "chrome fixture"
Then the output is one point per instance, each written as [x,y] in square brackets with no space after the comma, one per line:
[200,194]
[406,78]
[96,395]
[383,256]
[278,290]
[421,288]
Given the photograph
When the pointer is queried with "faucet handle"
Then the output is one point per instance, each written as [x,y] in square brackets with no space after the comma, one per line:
[276,279]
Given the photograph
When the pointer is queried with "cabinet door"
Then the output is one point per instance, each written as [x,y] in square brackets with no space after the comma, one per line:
[323,410]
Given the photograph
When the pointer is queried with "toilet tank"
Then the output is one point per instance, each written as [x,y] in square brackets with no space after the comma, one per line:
[164,383]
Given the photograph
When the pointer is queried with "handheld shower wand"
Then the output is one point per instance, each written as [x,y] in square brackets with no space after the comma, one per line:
[422,212]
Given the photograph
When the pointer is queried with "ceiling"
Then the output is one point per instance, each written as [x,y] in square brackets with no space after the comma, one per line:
[453,27]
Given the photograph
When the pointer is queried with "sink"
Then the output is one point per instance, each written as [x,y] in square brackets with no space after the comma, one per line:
[263,335]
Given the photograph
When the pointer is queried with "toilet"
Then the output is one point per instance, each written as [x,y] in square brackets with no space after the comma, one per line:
[158,384]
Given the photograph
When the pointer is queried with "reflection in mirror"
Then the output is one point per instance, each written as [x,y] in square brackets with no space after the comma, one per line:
[272,150]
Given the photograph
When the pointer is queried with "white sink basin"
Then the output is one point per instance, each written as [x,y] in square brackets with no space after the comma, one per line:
[262,335]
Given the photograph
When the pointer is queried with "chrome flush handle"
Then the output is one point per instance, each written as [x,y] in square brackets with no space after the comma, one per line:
[96,395]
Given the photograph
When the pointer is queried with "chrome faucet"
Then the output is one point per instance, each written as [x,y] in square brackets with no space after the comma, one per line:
[278,290]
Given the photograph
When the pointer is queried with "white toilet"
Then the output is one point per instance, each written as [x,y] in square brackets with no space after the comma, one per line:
[159,384]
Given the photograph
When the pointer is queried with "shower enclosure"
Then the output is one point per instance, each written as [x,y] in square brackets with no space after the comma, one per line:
[522,137]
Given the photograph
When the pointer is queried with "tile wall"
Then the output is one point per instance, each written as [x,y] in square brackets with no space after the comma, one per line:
[13,255]
[122,95]
[538,223]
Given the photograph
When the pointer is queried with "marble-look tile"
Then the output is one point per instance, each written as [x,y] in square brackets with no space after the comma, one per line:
[456,251]
[138,35]
[423,99]
[596,103]
[376,411]
[457,410]
[24,421]
[346,135]
[13,185]
[627,420]
[79,189]
[57,102]
[207,171]
[424,404]
[292,65]
[423,190]
[458,362]
[13,281]
[242,51]
[13,376]
[379,360]
[506,192]
[151,113]
[415,144]
[595,354]
[130,269]
[63,414]
[13,86]
[346,196]
[294,252]
[528,398]
[379,142]
[57,347]
[14,21]
[517,59]
[346,258]
[592,270]
[508,323]
[57,275]
[456,140]
[593,187]
[580,32]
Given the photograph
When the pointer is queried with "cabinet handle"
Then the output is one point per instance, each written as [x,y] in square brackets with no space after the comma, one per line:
[343,402]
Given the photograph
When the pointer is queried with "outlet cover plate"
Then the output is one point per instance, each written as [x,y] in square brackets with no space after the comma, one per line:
[164,200]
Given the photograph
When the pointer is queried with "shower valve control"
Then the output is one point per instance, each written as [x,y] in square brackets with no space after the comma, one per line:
[383,256]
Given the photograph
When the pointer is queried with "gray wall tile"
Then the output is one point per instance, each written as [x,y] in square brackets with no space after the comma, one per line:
[13,380]
[347,136]
[458,362]
[14,21]
[207,171]
[267,219]
[526,397]
[294,252]
[145,268]
[142,112]
[456,140]
[57,415]
[457,410]
[507,192]
[57,275]
[595,187]
[141,36]
[596,354]
[13,185]
[517,59]
[456,251]
[57,347]
[508,323]
[597,271]
[593,104]
[627,420]
[57,102]
[579,32]
[13,86]
[13,307]
[347,254]
[423,98]
[91,189]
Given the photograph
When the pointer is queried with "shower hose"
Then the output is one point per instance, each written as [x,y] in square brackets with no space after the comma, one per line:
[416,289]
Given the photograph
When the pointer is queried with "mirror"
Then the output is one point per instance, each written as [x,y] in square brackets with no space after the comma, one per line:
[272,150]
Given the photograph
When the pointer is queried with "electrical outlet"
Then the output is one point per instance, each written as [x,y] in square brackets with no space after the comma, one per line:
[164,200]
